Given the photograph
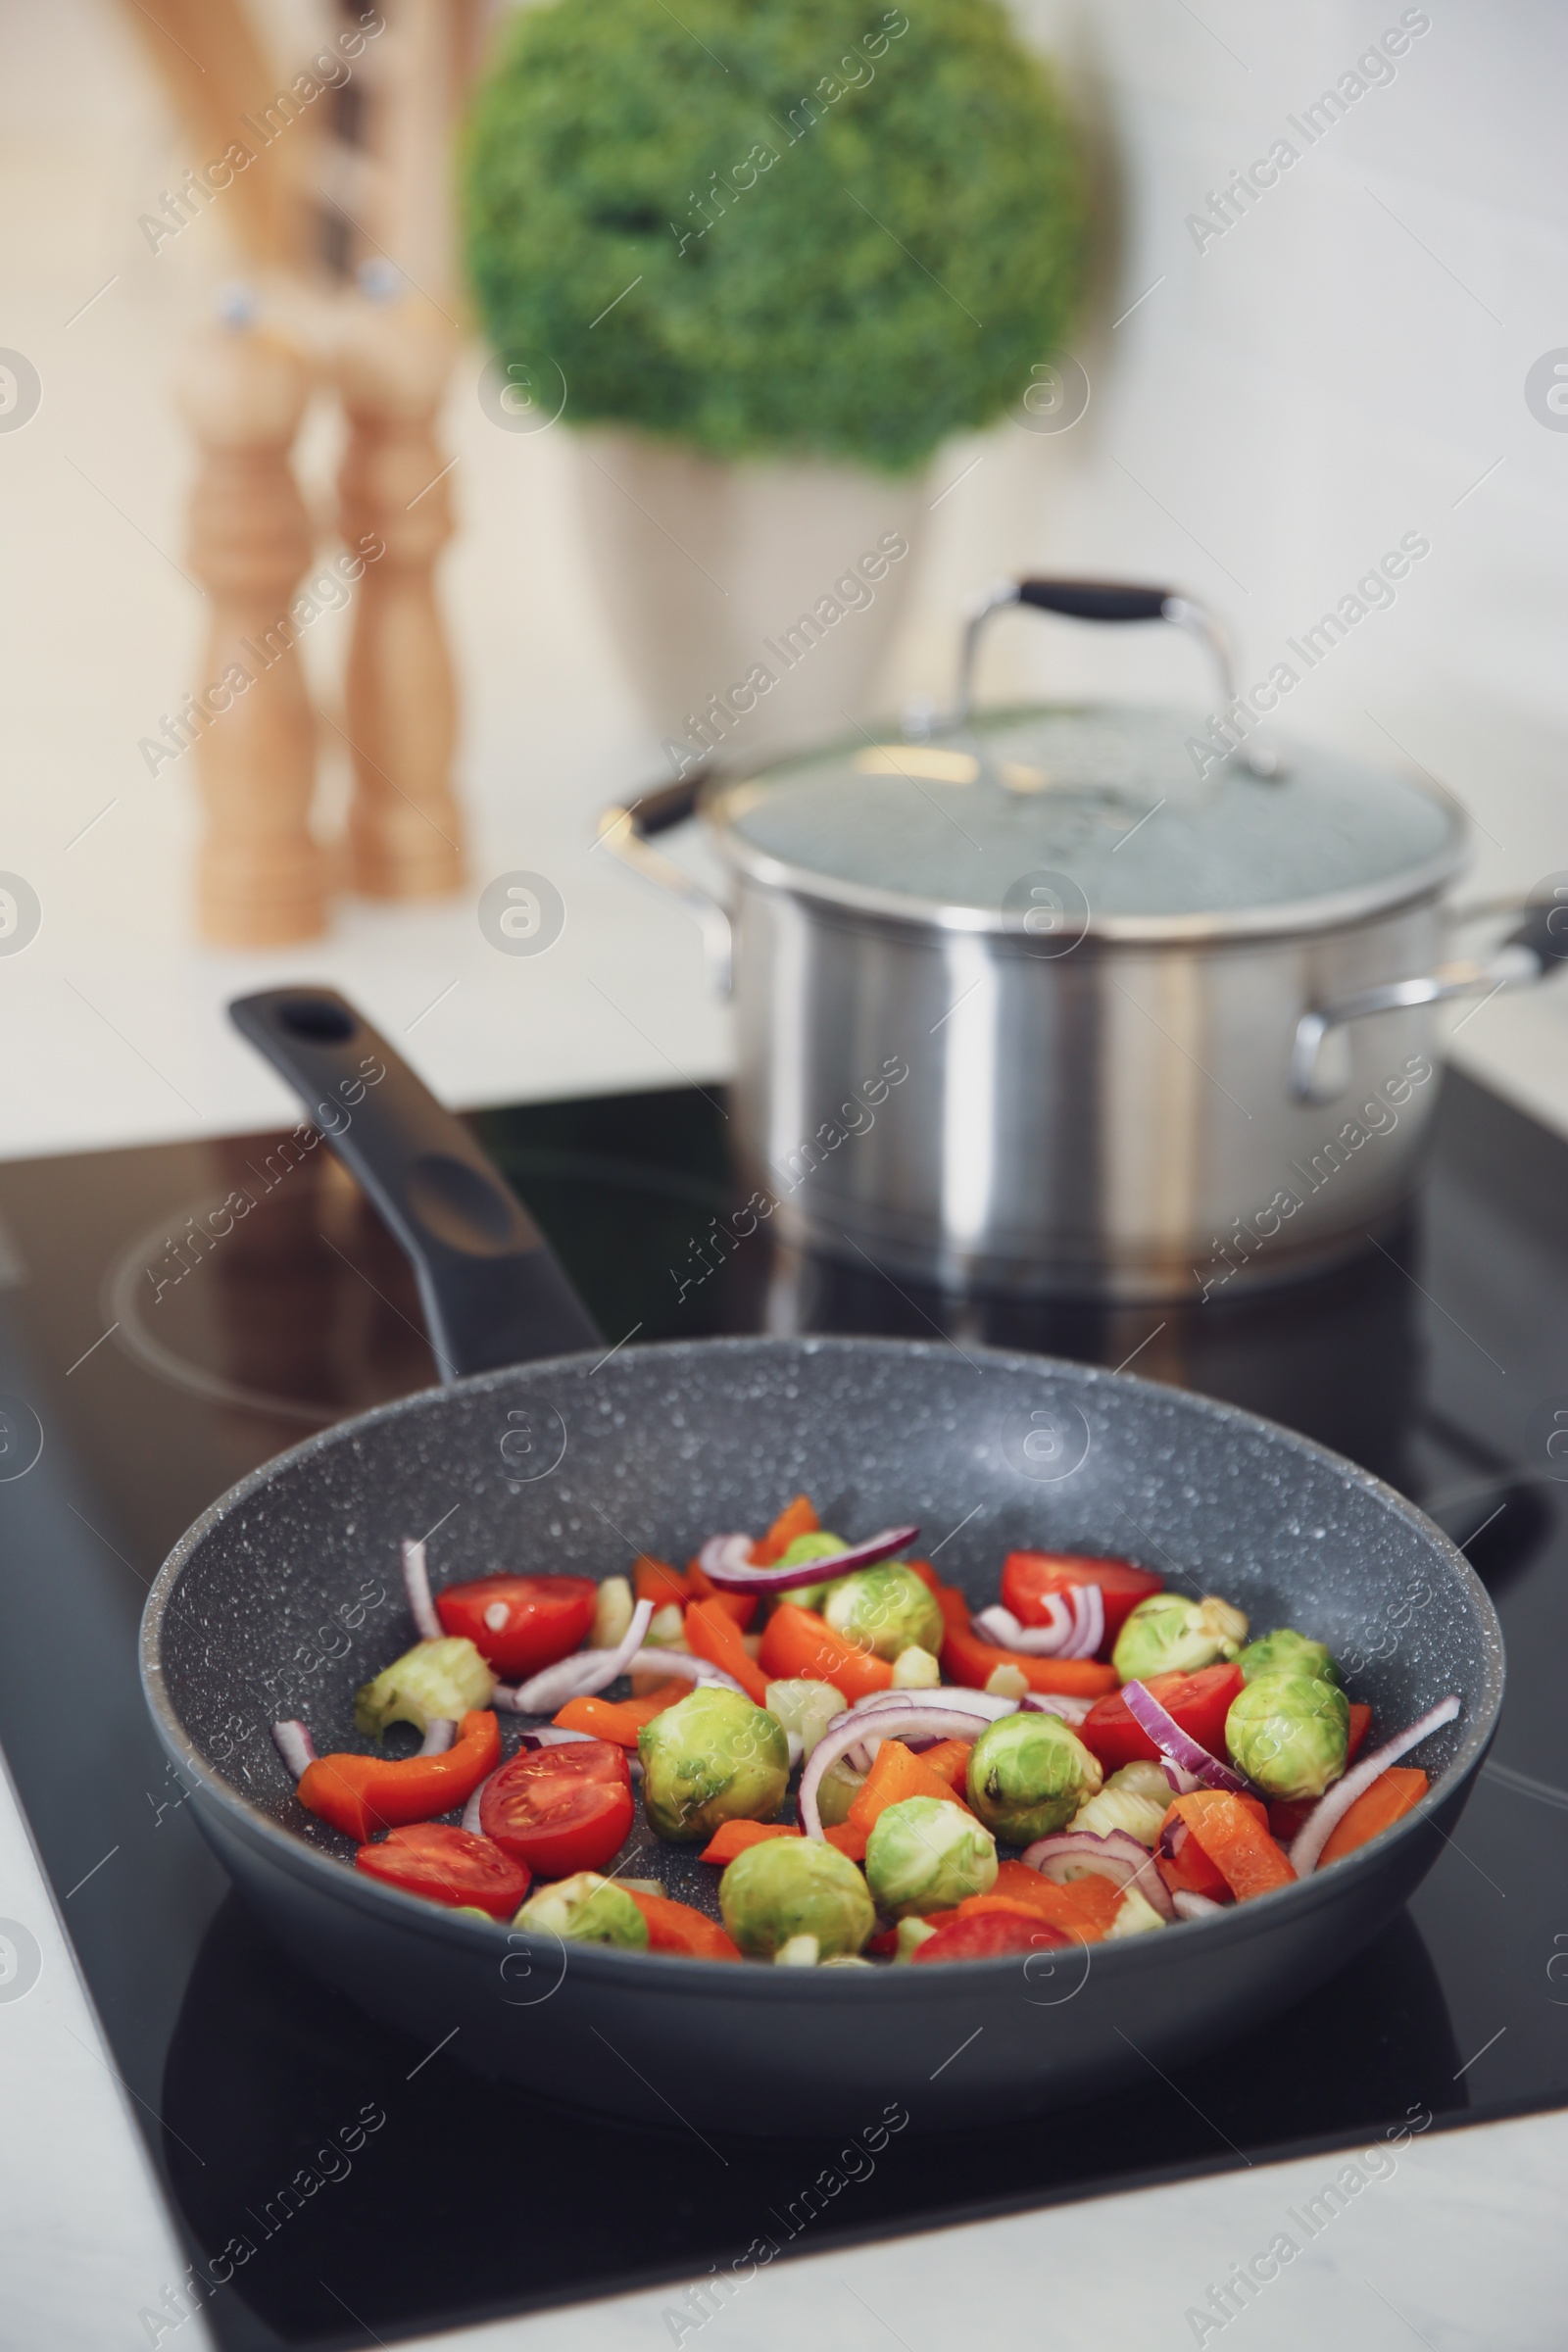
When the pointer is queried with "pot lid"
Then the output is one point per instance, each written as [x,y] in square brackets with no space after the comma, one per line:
[1092,819]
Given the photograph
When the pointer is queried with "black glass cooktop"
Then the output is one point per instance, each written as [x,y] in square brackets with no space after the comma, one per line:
[359,2188]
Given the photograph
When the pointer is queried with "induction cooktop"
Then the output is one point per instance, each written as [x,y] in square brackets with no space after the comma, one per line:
[351,2187]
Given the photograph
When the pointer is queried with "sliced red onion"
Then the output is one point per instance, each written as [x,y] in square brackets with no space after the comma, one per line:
[721,1561]
[675,1664]
[439,1734]
[1056,1702]
[999,1625]
[1196,1906]
[470,1811]
[847,1731]
[1173,1743]
[417,1585]
[1331,1809]
[1115,1855]
[577,1677]
[1076,1628]
[295,1745]
[986,1707]
[1090,1603]
[728,1555]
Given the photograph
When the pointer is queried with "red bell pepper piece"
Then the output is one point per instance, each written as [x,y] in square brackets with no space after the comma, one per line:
[361,1794]
[1233,1832]
[711,1633]
[797,1641]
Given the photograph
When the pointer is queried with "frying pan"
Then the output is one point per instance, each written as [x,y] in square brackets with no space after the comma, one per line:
[550,1449]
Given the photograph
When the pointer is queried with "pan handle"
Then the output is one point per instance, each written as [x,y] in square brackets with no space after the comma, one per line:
[490,1286]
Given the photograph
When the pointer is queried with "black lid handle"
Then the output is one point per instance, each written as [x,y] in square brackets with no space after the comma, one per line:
[491,1288]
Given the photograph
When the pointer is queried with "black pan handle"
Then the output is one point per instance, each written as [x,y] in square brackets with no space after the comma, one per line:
[491,1288]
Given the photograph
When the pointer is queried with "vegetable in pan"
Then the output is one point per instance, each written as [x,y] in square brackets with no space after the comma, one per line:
[786,1888]
[712,1757]
[1028,1775]
[1290,1651]
[1167,1635]
[927,1854]
[1287,1732]
[435,1682]
[973,1784]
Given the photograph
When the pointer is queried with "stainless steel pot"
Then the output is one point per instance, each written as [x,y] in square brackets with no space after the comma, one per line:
[1111,1000]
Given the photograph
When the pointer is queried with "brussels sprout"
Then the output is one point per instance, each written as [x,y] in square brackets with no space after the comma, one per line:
[801,1951]
[794,1886]
[1135,1916]
[924,1854]
[1028,1775]
[434,1682]
[1008,1681]
[586,1909]
[613,1613]
[915,1669]
[806,1708]
[1289,1732]
[1166,1635]
[666,1628]
[836,1792]
[1293,1653]
[805,1548]
[1136,1799]
[885,1609]
[712,1757]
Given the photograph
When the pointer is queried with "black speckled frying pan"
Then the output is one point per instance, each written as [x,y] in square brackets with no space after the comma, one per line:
[546,1452]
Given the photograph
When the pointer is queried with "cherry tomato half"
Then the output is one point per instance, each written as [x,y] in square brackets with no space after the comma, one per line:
[447,1865]
[1198,1702]
[993,1936]
[1027,1577]
[521,1624]
[559,1809]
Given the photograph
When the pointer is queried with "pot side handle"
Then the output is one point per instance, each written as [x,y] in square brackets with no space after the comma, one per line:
[627,833]
[492,1290]
[1535,947]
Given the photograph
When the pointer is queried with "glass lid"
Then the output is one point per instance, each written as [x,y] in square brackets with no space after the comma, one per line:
[1126,821]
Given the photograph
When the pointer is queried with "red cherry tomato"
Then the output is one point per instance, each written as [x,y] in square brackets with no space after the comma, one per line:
[1027,1577]
[991,1935]
[447,1865]
[559,1809]
[1198,1704]
[519,1623]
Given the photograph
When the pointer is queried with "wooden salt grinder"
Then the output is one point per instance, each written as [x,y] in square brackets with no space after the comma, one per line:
[405,829]
[262,876]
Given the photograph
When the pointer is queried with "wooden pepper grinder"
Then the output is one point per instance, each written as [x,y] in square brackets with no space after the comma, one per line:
[405,830]
[261,875]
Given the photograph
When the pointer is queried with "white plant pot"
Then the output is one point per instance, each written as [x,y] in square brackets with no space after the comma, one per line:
[752,604]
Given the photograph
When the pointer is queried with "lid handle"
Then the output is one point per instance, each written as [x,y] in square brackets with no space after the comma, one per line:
[1106,601]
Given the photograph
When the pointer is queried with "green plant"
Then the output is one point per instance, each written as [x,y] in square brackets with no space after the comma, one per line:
[803,226]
